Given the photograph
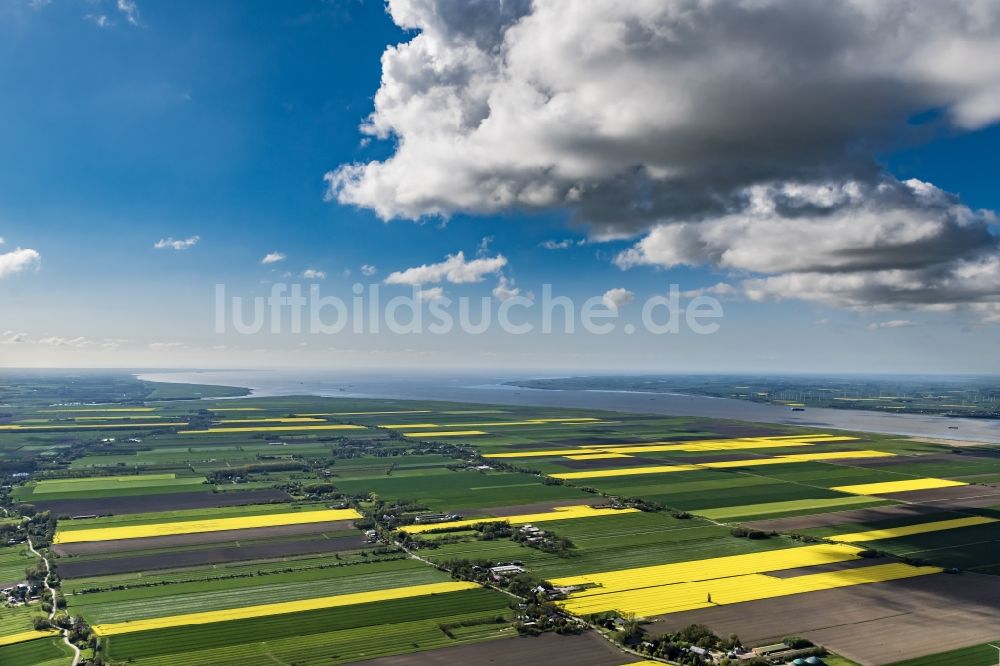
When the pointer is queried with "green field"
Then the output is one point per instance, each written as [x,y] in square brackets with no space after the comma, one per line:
[976,655]
[150,643]
[391,478]
[40,652]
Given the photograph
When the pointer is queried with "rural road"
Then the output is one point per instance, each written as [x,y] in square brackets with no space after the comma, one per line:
[52,593]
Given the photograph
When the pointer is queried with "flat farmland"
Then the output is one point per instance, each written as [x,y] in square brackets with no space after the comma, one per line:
[41,652]
[202,552]
[13,561]
[871,624]
[478,603]
[163,601]
[145,503]
[444,490]
[240,551]
[550,649]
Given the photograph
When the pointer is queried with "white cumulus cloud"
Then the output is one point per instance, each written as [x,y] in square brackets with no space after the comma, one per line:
[368,270]
[455,269]
[18,260]
[314,274]
[273,257]
[171,244]
[739,135]
[617,298]
[892,323]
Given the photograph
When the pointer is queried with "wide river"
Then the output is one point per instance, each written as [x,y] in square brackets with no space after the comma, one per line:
[490,389]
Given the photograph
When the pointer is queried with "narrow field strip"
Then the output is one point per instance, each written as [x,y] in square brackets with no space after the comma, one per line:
[708,569]
[264,610]
[663,600]
[94,426]
[404,426]
[68,410]
[198,526]
[405,411]
[296,419]
[25,636]
[735,444]
[234,409]
[558,513]
[597,456]
[765,508]
[46,483]
[332,426]
[114,418]
[897,486]
[624,471]
[446,433]
[908,530]
[725,464]
[494,424]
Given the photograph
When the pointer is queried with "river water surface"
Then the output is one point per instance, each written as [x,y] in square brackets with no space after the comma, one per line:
[491,389]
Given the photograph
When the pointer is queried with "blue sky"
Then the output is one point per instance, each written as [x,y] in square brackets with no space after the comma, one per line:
[219,120]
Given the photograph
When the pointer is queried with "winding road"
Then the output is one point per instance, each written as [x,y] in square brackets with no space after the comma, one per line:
[52,593]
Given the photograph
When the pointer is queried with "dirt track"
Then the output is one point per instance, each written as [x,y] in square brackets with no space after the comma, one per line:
[549,649]
[872,624]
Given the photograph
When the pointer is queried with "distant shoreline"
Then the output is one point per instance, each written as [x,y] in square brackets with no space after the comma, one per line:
[495,390]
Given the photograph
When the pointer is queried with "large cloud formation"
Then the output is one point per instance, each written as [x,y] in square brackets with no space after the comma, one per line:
[738,134]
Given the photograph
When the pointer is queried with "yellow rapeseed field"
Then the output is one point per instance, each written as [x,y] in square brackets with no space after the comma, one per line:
[297,419]
[624,471]
[234,409]
[97,409]
[707,569]
[558,513]
[897,486]
[445,433]
[264,610]
[725,464]
[493,424]
[736,444]
[662,600]
[332,426]
[908,530]
[196,526]
[114,418]
[403,411]
[98,426]
[26,636]
[404,426]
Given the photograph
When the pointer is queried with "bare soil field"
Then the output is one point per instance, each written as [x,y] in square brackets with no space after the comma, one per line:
[795,523]
[193,558]
[107,506]
[222,536]
[586,649]
[871,624]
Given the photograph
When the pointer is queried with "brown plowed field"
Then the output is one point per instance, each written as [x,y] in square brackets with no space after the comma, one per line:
[871,624]
[222,536]
[106,506]
[191,558]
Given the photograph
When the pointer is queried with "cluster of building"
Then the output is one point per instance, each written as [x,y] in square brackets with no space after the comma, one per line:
[21,593]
